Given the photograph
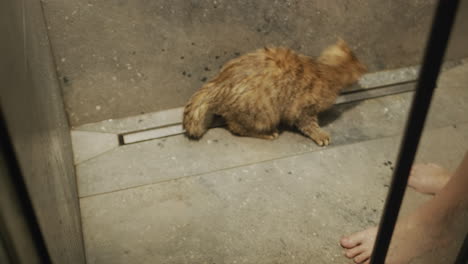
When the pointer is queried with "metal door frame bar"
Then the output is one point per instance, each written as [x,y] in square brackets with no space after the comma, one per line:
[435,49]
[19,228]
[463,253]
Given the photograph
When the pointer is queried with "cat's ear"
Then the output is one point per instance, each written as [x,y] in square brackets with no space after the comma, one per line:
[342,44]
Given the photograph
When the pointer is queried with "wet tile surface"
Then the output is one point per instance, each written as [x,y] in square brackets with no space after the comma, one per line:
[226,199]
[291,210]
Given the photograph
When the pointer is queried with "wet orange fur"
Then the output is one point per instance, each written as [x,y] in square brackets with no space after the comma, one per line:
[256,92]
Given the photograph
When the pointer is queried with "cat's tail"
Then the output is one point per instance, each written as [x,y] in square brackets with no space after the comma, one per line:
[198,113]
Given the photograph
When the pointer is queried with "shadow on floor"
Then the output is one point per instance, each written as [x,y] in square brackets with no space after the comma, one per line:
[335,112]
[325,118]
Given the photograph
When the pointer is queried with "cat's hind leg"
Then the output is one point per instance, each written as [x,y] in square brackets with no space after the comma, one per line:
[241,130]
[308,124]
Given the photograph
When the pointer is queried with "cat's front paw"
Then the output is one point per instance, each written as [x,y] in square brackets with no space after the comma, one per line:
[321,137]
[271,136]
[274,135]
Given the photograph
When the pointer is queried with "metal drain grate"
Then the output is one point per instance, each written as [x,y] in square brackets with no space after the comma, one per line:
[172,130]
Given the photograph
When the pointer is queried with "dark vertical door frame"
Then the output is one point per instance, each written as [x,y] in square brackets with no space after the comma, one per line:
[25,238]
[438,39]
[463,254]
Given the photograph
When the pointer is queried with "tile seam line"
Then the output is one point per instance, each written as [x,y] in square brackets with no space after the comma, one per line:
[94,157]
[249,164]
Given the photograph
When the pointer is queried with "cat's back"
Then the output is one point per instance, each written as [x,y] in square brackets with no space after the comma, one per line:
[268,60]
[282,58]
[264,78]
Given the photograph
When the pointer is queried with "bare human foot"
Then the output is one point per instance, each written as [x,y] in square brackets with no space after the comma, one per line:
[439,224]
[431,227]
[359,245]
[428,178]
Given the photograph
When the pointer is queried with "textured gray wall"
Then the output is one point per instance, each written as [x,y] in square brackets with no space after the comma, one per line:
[121,58]
[32,103]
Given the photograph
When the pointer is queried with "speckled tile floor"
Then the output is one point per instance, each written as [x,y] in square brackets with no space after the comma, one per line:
[118,59]
[226,199]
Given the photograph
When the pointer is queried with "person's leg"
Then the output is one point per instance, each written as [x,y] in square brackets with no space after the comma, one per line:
[431,226]
[428,178]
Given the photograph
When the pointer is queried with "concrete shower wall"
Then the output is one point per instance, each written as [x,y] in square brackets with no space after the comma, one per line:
[122,58]
[32,104]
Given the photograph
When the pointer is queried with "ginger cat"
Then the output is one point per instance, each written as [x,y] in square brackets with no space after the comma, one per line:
[256,92]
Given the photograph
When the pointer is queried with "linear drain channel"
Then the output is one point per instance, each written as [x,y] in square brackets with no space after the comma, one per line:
[176,129]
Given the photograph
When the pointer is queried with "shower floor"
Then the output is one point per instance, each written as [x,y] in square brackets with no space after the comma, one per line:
[228,199]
